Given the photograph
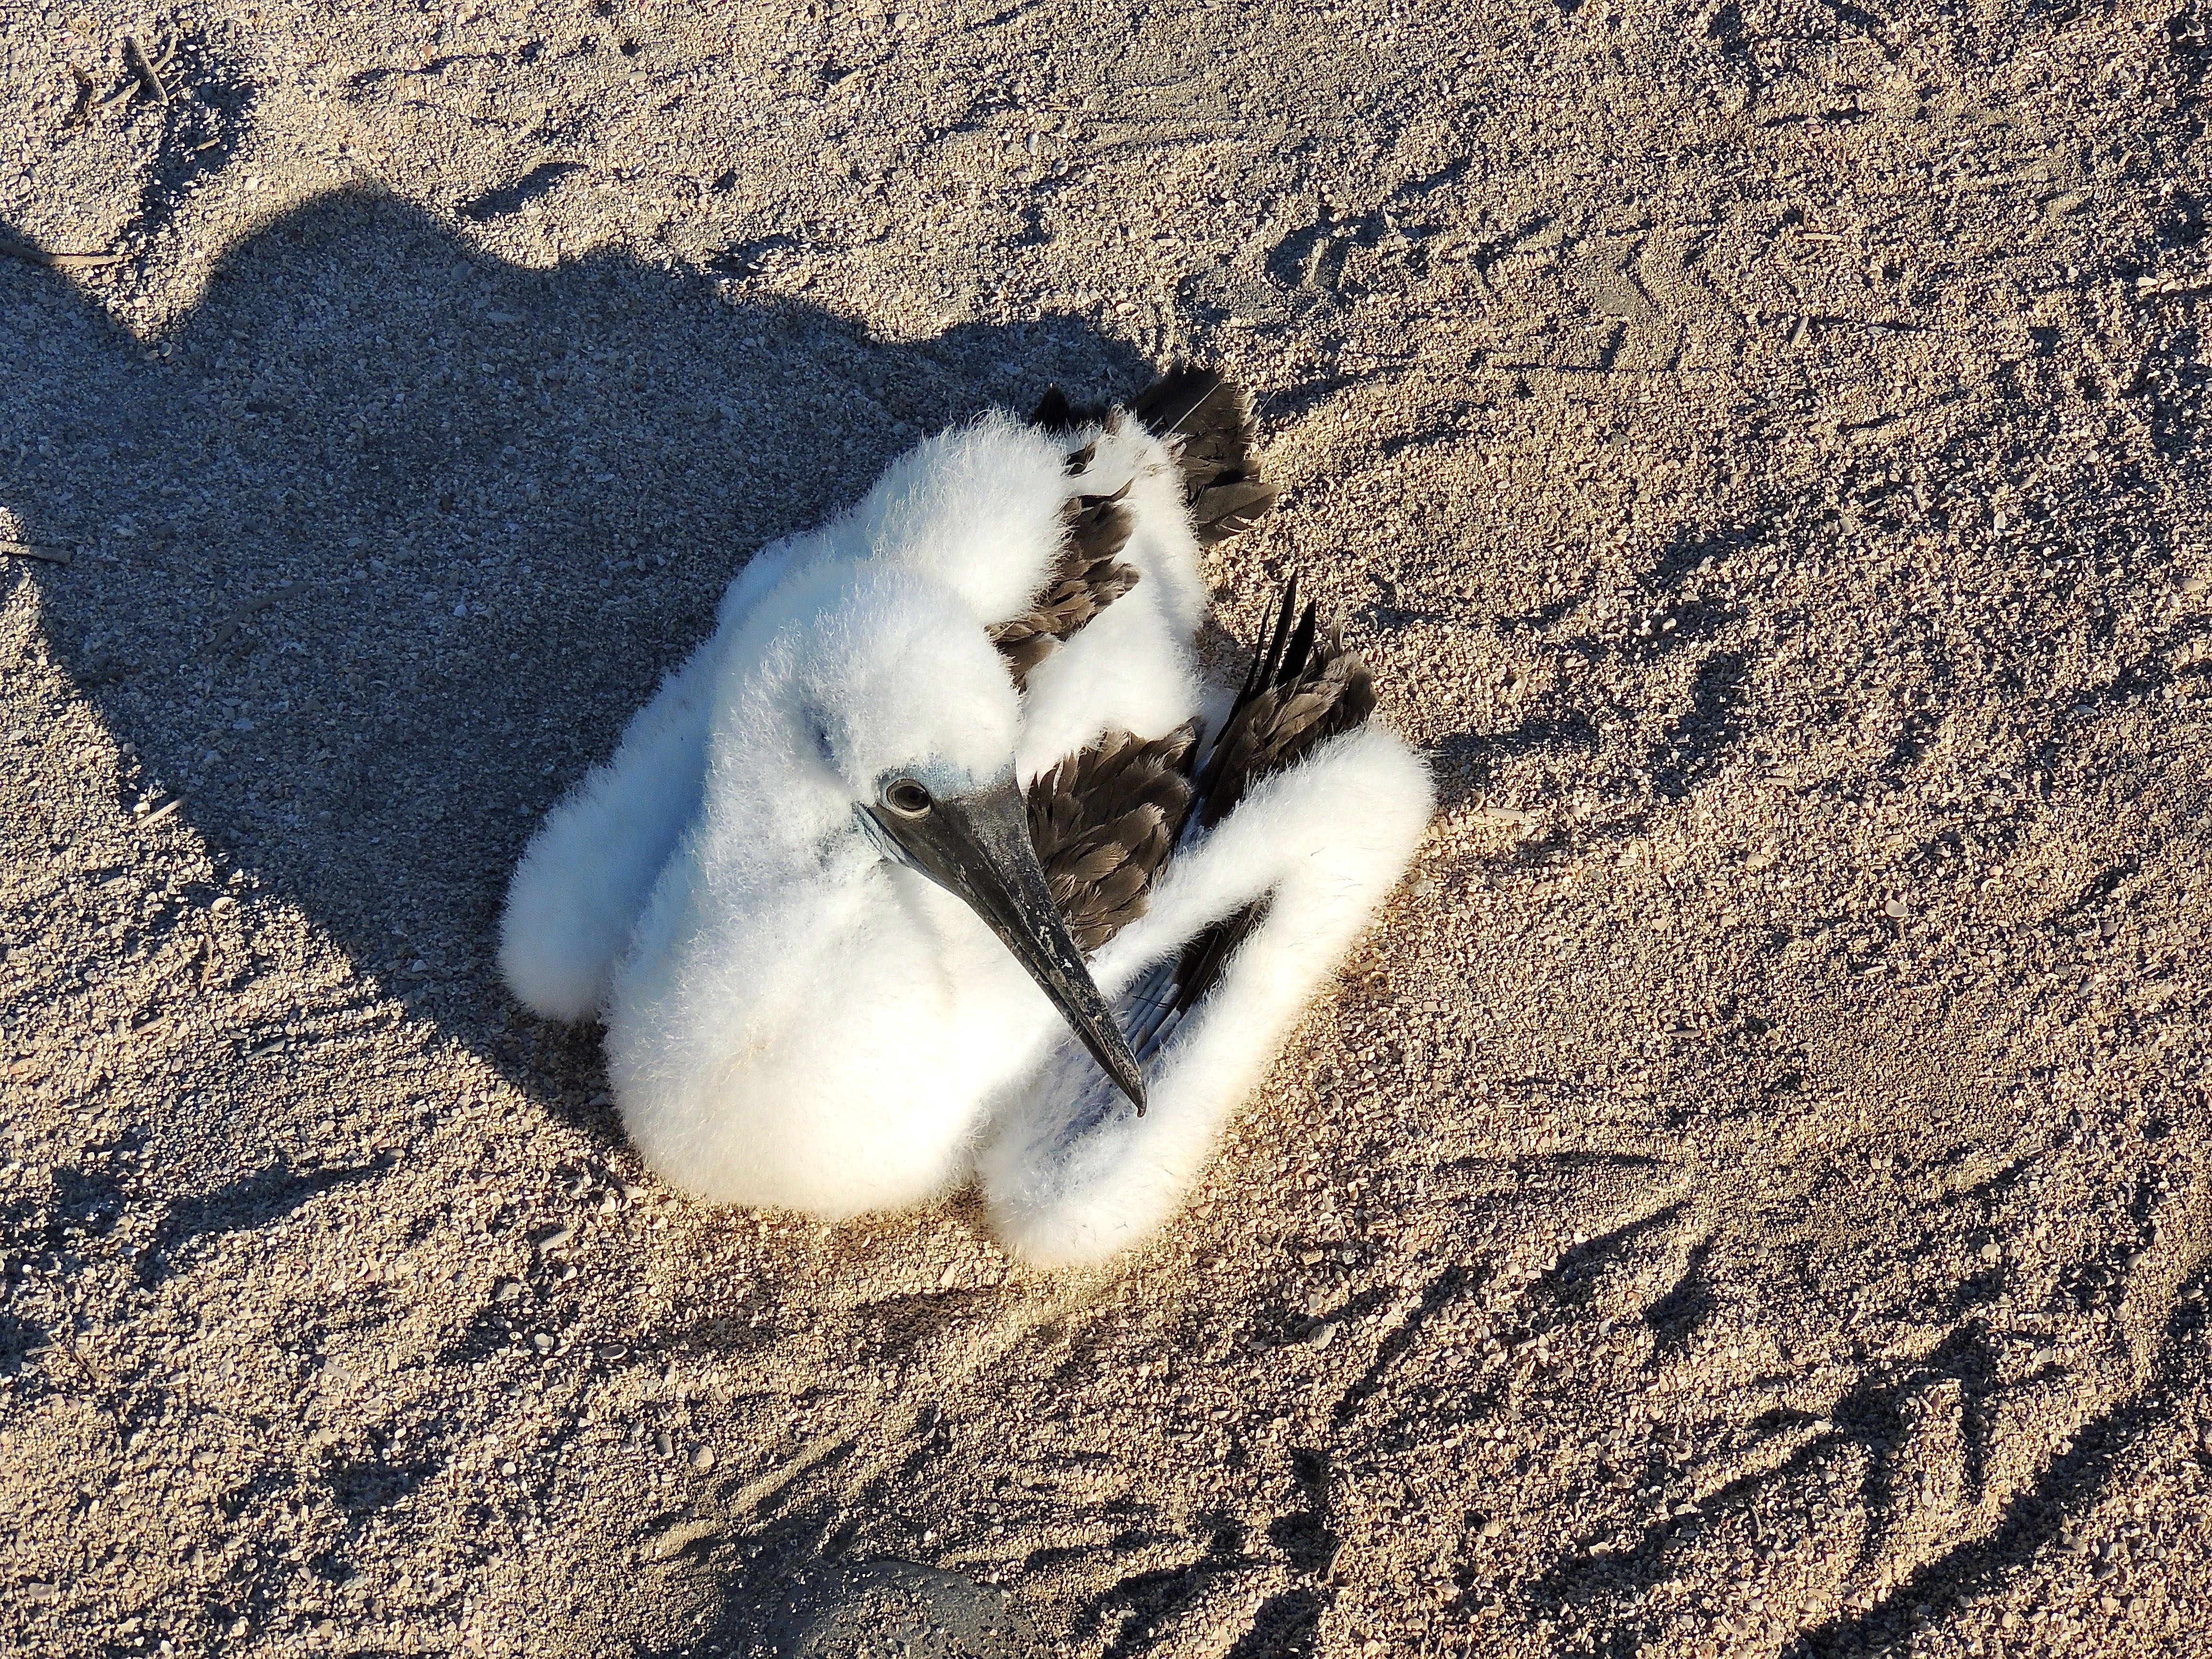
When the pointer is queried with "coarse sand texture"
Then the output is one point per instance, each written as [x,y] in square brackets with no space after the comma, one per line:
[1749,1193]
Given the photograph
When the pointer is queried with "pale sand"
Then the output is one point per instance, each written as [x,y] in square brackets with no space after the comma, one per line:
[1749,1196]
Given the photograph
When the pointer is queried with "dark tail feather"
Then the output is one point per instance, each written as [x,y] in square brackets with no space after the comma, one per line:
[1055,414]
[1304,686]
[1300,647]
[1261,671]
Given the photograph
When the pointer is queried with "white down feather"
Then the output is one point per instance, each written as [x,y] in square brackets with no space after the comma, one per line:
[794,1021]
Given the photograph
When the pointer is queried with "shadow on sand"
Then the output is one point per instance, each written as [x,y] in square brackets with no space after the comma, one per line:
[377,548]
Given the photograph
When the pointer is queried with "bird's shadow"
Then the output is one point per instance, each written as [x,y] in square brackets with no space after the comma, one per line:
[377,547]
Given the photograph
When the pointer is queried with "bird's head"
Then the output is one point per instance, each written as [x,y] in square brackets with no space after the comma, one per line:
[913,713]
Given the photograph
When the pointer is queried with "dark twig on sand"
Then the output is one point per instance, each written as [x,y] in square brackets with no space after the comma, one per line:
[81,111]
[149,71]
[48,552]
[54,261]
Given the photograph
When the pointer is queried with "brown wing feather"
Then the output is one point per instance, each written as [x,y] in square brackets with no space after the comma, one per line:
[1089,577]
[1103,822]
[1208,422]
[1305,686]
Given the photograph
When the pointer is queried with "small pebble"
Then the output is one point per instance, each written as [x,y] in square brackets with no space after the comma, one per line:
[541,1342]
[1325,1333]
[506,1289]
[662,1443]
[702,1457]
[556,1239]
[38,1592]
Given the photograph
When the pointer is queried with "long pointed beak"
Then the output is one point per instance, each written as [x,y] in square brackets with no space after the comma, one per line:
[977,847]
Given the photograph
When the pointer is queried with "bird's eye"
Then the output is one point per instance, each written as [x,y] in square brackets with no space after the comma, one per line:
[906,796]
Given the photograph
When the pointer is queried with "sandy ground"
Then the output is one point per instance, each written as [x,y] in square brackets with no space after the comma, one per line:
[1750,1196]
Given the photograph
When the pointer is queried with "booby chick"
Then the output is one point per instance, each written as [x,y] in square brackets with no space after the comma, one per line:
[938,857]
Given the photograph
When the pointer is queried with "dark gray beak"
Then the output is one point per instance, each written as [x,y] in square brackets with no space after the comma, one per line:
[976,846]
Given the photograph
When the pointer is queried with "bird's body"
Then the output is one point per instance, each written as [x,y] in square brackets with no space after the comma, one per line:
[818,997]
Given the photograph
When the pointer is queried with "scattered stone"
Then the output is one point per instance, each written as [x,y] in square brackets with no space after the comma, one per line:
[702,1457]
[39,1593]
[662,1443]
[669,1540]
[1324,1333]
